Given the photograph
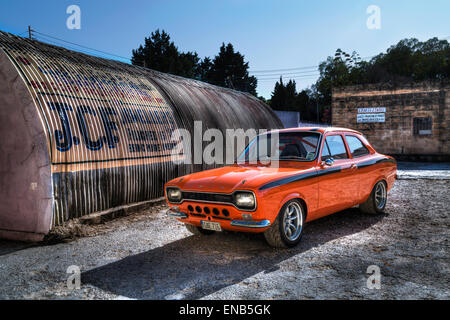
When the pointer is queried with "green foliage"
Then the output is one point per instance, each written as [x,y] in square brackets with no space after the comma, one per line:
[286,98]
[228,69]
[161,54]
[408,60]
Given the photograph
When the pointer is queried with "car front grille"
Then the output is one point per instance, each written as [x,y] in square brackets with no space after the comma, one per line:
[208,197]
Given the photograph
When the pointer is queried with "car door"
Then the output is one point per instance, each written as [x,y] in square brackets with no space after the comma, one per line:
[360,155]
[336,181]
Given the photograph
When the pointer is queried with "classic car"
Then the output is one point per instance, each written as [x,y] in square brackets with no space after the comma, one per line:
[311,173]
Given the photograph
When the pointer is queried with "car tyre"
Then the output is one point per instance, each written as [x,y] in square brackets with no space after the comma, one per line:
[198,231]
[377,199]
[278,235]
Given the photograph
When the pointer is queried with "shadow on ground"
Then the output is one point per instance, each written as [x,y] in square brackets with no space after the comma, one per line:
[423,166]
[195,266]
[7,247]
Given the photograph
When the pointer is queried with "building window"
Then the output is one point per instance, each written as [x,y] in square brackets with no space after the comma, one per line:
[422,126]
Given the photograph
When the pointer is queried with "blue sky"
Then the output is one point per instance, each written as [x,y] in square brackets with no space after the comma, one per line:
[278,34]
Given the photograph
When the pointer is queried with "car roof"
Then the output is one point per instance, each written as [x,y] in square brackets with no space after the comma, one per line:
[318,129]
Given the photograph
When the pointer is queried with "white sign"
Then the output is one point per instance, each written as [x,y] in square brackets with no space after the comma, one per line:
[371,117]
[371,110]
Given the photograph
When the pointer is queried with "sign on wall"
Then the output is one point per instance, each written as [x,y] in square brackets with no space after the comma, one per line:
[372,110]
[370,115]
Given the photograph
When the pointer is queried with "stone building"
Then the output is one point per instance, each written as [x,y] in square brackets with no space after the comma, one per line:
[408,121]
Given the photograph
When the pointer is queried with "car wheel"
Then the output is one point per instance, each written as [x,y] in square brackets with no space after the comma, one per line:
[377,199]
[198,230]
[287,230]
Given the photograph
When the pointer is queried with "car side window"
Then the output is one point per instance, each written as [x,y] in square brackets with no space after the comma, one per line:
[357,148]
[325,152]
[336,147]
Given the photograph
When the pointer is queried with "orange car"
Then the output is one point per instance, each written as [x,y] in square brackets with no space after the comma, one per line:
[307,174]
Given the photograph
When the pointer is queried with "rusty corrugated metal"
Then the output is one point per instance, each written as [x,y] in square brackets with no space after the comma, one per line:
[107,126]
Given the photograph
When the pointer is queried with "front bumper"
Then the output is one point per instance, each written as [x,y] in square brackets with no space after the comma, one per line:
[239,225]
[250,224]
[176,214]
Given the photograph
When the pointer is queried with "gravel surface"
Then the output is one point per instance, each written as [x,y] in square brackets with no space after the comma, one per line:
[150,256]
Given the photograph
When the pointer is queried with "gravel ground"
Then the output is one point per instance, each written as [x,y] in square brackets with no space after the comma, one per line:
[150,256]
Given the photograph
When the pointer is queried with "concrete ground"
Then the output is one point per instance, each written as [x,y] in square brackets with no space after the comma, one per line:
[150,256]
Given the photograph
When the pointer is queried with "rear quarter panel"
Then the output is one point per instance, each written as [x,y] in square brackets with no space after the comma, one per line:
[384,168]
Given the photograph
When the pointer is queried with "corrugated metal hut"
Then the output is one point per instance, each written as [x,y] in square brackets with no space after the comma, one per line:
[81,134]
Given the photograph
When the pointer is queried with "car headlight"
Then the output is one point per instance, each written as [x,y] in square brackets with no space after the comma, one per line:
[245,200]
[174,194]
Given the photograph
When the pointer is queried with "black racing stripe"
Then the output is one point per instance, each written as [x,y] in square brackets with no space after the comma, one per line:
[299,177]
[329,171]
[386,160]
[314,174]
[374,161]
[366,164]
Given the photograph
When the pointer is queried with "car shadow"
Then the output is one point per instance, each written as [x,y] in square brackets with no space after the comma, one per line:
[197,266]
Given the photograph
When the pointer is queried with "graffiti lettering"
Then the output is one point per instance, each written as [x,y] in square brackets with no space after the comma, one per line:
[91,145]
[63,138]
[109,126]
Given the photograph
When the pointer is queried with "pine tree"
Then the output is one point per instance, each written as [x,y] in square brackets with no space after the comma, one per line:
[161,54]
[230,70]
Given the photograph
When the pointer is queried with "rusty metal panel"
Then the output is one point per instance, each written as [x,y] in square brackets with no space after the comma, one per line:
[108,125]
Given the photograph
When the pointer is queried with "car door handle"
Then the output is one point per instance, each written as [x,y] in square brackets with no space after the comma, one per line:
[351,168]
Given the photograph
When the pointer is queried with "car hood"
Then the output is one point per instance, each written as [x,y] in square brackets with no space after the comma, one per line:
[231,178]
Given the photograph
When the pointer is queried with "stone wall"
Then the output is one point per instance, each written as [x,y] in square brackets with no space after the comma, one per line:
[402,104]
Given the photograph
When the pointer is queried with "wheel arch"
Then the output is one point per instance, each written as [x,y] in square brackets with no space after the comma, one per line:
[294,196]
[380,178]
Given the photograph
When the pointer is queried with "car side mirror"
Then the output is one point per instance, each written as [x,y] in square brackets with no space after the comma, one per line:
[329,162]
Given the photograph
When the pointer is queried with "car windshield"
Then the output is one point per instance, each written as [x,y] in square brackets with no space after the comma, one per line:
[282,146]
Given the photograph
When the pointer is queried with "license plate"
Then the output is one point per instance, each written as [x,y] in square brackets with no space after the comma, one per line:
[214,226]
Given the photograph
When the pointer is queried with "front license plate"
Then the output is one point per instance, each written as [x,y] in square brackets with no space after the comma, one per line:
[214,226]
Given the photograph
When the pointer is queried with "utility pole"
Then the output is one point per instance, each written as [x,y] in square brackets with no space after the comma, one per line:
[317,106]
[30,33]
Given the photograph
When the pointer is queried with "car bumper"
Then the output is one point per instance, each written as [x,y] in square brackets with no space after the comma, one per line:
[176,214]
[236,225]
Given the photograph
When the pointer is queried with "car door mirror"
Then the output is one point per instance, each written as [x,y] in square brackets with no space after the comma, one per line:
[329,162]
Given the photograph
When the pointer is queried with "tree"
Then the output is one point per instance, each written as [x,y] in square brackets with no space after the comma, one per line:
[408,60]
[306,105]
[161,54]
[278,99]
[291,96]
[205,69]
[343,69]
[229,69]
